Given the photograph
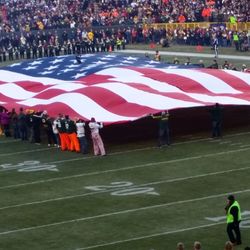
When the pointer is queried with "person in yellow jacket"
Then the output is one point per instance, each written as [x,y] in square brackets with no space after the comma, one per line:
[233,216]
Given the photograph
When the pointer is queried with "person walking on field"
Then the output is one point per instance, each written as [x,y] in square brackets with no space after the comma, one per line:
[96,138]
[233,214]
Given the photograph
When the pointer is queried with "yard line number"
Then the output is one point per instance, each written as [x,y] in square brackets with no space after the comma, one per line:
[29,166]
[123,188]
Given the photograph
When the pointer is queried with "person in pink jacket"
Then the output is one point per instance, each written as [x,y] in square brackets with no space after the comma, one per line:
[96,138]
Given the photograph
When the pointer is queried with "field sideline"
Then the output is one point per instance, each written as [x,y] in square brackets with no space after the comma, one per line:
[135,198]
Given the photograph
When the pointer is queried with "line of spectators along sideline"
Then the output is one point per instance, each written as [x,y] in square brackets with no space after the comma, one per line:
[57,42]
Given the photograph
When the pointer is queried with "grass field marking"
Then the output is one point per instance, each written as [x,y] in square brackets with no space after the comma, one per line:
[121,212]
[24,152]
[9,141]
[152,236]
[123,169]
[121,189]
[118,152]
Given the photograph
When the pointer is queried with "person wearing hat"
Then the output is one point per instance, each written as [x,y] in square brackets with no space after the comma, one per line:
[233,216]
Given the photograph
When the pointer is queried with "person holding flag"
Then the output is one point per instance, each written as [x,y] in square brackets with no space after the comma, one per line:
[164,138]
[96,138]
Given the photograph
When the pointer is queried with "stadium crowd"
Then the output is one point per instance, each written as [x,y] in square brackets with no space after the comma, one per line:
[31,29]
[24,15]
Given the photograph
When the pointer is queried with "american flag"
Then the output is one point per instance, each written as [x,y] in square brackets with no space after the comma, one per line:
[116,88]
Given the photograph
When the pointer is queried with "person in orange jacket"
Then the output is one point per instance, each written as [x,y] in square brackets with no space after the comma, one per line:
[72,135]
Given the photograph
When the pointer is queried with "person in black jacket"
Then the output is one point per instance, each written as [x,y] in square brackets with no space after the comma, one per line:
[216,114]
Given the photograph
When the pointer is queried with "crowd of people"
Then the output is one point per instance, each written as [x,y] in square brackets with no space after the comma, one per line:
[39,44]
[31,29]
[24,15]
[62,131]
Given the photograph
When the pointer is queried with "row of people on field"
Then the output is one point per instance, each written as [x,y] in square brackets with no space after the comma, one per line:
[61,132]
[214,65]
[197,246]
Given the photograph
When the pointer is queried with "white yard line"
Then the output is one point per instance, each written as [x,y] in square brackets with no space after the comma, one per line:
[120,212]
[151,236]
[151,164]
[118,152]
[119,189]
[25,152]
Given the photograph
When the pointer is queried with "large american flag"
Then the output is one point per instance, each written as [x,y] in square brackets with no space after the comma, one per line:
[115,88]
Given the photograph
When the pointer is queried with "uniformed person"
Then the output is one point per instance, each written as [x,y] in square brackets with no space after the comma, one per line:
[233,215]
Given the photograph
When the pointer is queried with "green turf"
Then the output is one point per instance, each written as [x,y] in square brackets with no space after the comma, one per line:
[148,198]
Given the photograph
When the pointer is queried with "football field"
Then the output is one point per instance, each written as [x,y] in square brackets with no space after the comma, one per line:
[138,197]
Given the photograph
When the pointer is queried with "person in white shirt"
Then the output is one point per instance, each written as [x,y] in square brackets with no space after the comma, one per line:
[81,136]
[96,138]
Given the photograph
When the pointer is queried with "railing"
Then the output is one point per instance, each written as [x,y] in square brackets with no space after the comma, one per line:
[238,26]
